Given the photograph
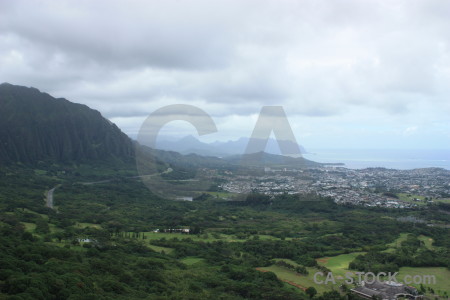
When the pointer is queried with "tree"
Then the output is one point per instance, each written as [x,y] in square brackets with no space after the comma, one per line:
[42,227]
[311,292]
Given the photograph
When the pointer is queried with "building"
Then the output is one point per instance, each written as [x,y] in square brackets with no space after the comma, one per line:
[386,291]
[86,240]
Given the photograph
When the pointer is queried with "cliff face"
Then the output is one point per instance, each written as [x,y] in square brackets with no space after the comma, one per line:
[34,127]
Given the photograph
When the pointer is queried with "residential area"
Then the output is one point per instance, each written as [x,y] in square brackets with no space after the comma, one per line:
[368,187]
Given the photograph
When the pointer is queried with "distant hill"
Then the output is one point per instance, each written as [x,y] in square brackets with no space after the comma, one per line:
[190,144]
[186,161]
[263,159]
[34,127]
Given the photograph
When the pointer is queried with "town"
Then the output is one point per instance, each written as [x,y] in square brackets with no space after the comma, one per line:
[368,187]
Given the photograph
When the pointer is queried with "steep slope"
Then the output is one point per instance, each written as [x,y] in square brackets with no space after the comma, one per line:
[34,127]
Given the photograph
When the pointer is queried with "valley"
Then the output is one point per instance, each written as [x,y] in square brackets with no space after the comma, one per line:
[88,218]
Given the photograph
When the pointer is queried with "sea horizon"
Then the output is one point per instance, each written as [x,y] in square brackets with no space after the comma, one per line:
[401,159]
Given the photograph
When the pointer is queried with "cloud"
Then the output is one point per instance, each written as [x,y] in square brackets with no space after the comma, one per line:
[173,34]
[330,61]
[410,130]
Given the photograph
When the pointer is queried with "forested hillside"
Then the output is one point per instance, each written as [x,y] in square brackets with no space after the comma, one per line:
[34,127]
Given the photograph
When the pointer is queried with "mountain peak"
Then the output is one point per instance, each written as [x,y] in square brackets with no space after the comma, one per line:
[189,138]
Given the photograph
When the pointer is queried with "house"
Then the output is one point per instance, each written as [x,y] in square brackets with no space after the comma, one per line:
[85,240]
[176,230]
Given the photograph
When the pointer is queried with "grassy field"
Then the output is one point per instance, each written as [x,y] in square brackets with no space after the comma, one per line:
[160,235]
[410,198]
[301,281]
[191,260]
[395,244]
[427,241]
[30,227]
[86,225]
[161,249]
[443,200]
[338,264]
[205,237]
[442,277]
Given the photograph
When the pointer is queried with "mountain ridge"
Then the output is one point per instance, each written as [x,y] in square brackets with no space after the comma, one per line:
[34,126]
[189,144]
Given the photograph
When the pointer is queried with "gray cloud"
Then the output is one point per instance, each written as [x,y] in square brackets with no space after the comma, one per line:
[318,59]
[172,34]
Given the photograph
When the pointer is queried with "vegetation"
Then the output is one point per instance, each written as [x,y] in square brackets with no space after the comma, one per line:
[110,237]
[36,127]
[291,236]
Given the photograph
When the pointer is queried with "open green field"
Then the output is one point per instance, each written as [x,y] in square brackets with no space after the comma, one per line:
[442,275]
[161,249]
[428,242]
[338,264]
[190,260]
[395,244]
[301,280]
[443,200]
[205,237]
[195,237]
[410,198]
[30,227]
[86,225]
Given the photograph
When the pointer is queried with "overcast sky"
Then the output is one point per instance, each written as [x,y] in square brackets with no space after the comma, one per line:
[349,74]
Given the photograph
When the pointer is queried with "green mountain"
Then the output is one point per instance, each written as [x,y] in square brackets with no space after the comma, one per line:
[261,159]
[188,161]
[35,127]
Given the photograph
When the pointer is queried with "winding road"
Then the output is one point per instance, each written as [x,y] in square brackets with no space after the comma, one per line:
[49,194]
[50,197]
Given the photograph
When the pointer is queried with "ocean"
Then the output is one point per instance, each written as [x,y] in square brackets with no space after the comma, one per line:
[387,158]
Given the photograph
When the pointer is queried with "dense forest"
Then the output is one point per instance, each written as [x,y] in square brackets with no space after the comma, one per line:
[44,253]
